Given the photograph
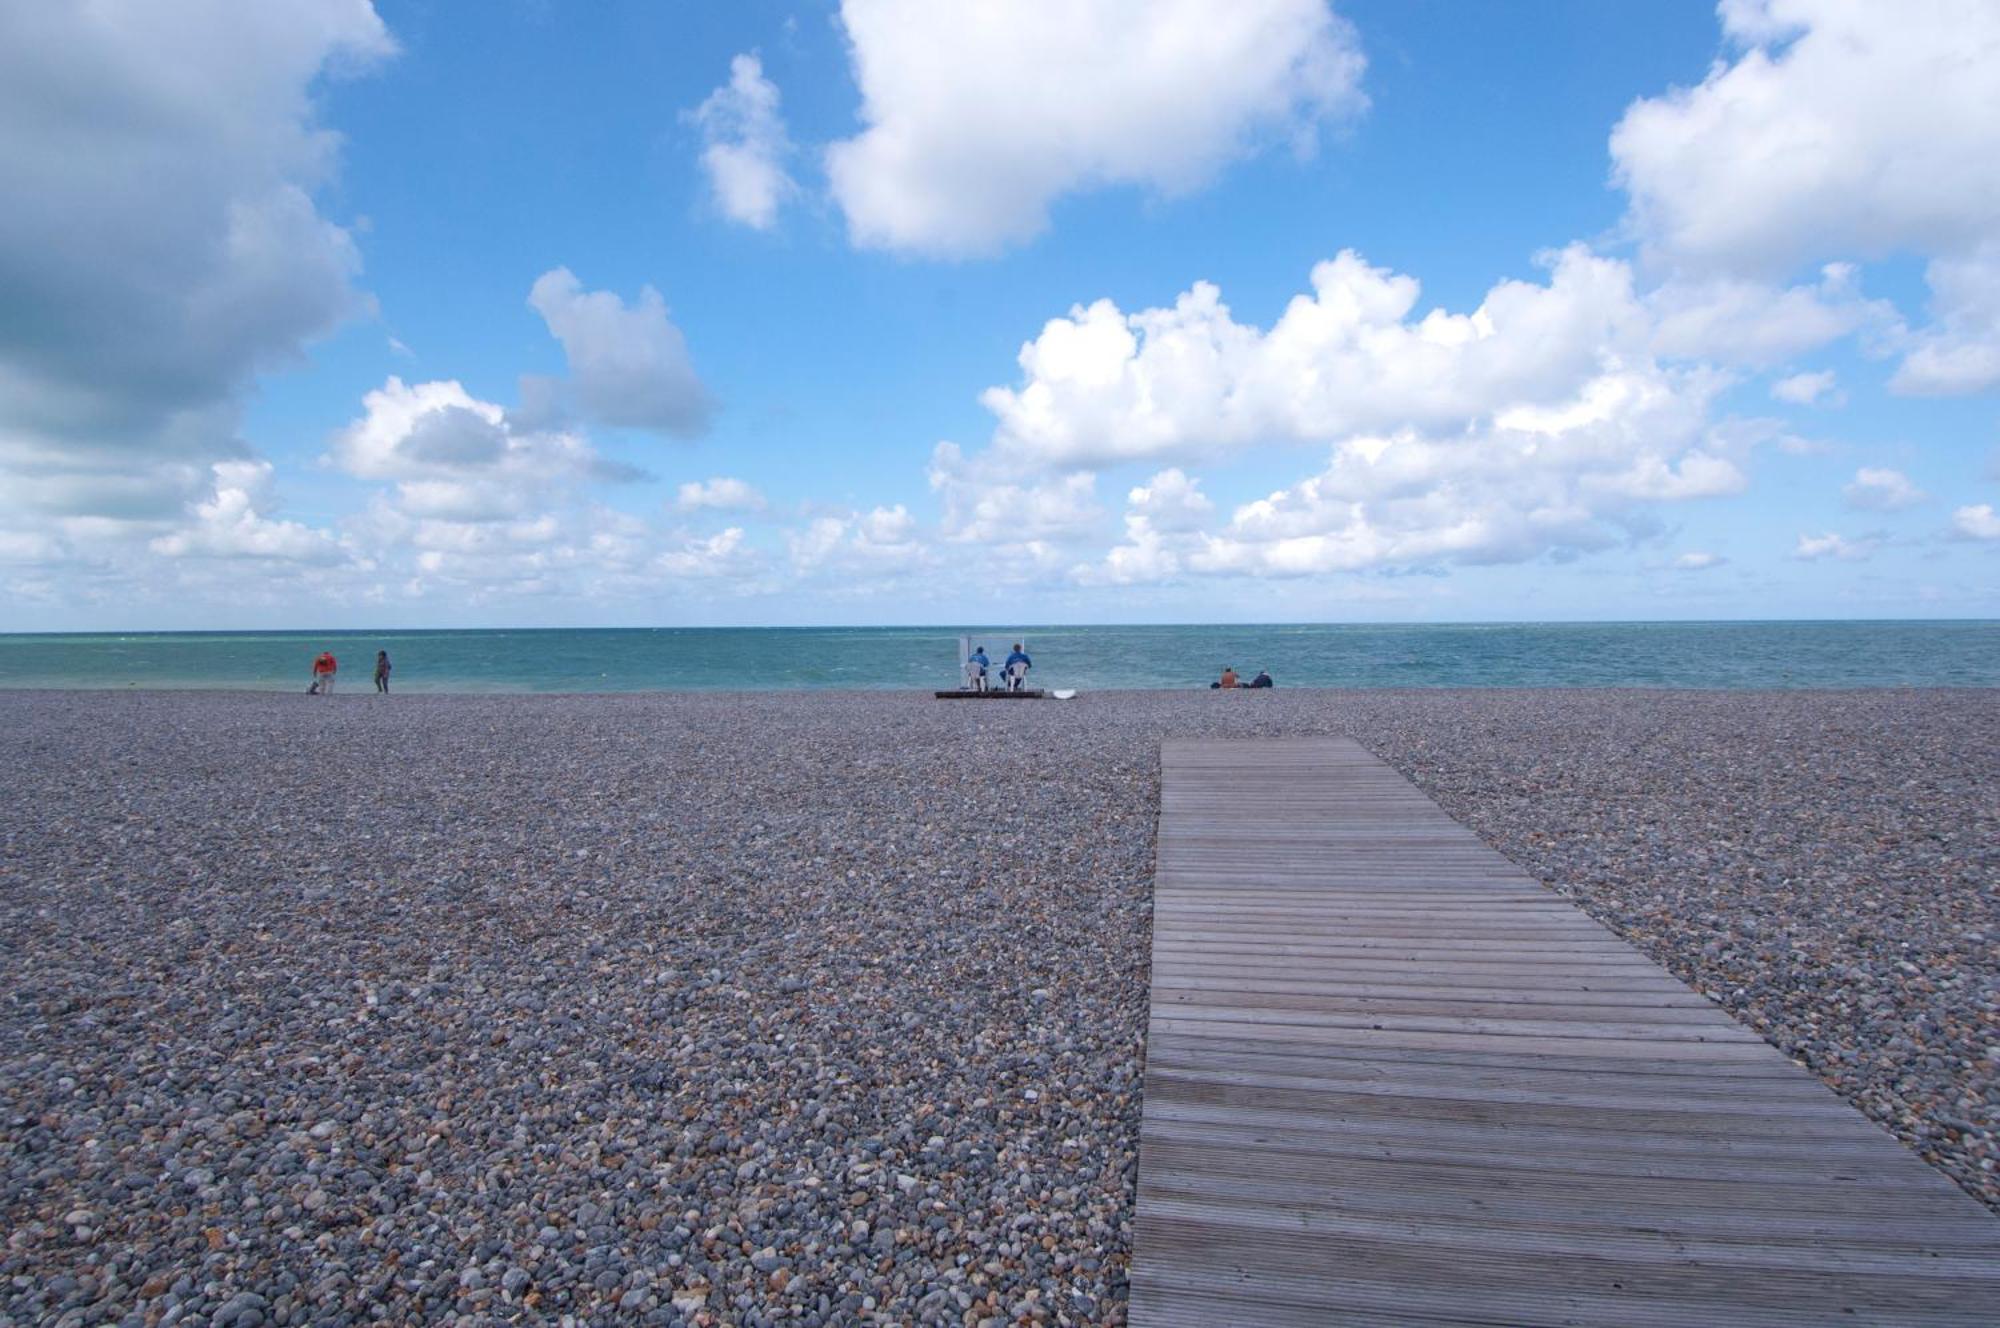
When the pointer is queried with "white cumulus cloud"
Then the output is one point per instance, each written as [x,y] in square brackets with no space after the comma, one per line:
[629,366]
[1539,423]
[988,500]
[1533,482]
[1880,489]
[1977,522]
[1506,494]
[721,494]
[1960,352]
[1188,381]
[977,116]
[859,548]
[723,556]
[745,145]
[1843,126]
[1806,389]
[1843,129]
[233,522]
[1162,519]
[160,243]
[457,462]
[1737,321]
[1171,500]
[1813,548]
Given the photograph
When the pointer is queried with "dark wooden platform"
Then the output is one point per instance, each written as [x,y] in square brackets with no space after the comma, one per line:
[1390,1079]
[967,694]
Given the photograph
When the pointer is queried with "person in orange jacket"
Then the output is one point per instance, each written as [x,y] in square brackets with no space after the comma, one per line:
[323,670]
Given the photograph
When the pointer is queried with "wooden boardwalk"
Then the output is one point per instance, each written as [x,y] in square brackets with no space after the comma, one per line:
[1390,1079]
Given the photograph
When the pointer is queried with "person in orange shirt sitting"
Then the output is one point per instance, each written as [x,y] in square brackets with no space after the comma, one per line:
[1228,678]
[323,670]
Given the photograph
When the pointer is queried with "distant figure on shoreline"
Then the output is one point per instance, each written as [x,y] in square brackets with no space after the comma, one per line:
[1228,679]
[382,667]
[323,670]
[1263,679]
[975,670]
[1015,670]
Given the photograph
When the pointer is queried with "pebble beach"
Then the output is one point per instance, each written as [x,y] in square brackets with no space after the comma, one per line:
[818,1007]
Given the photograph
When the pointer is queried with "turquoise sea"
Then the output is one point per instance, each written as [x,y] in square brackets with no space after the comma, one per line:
[1678,654]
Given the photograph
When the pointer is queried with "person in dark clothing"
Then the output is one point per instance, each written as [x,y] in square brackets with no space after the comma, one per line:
[1262,679]
[382,671]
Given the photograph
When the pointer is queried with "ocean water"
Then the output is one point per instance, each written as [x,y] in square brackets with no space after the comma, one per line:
[1732,655]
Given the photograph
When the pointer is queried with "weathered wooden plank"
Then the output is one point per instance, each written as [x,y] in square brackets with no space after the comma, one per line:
[1338,985]
[1375,1185]
[1527,1084]
[1392,1080]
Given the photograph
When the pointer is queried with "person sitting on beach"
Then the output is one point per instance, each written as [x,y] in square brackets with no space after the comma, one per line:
[323,670]
[382,671]
[1228,678]
[975,670]
[1016,668]
[1263,679]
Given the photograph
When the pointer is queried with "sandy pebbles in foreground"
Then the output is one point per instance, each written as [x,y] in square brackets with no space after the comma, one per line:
[815,1008]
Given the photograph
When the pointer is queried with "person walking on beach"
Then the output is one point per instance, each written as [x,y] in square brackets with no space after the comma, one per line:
[323,670]
[382,671]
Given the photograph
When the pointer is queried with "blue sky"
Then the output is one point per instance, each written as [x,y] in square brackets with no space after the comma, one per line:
[532,313]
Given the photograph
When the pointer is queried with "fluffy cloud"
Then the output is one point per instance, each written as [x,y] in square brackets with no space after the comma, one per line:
[988,500]
[1813,548]
[720,494]
[21,548]
[1541,422]
[1977,522]
[720,557]
[746,145]
[1162,517]
[232,522]
[572,550]
[1170,501]
[159,244]
[439,430]
[629,367]
[1844,126]
[1960,352]
[1806,389]
[457,459]
[1843,129]
[1534,481]
[1736,321]
[978,116]
[864,547]
[1189,381]
[1877,489]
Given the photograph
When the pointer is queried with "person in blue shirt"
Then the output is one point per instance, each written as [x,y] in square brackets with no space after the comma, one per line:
[975,670]
[1017,678]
